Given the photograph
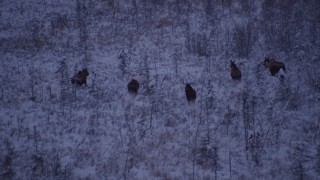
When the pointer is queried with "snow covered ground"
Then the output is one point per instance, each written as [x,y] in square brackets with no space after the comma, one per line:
[262,127]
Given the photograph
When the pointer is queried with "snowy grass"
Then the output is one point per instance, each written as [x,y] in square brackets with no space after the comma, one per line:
[258,128]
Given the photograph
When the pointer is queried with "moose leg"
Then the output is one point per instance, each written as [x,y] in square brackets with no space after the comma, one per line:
[284,68]
[274,70]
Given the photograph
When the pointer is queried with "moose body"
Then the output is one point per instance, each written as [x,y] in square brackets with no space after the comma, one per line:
[80,78]
[190,93]
[274,66]
[133,86]
[235,72]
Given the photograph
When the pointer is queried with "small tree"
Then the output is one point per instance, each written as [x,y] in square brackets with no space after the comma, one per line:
[244,38]
[6,165]
[145,69]
[298,164]
[176,57]
[317,165]
[65,93]
[124,62]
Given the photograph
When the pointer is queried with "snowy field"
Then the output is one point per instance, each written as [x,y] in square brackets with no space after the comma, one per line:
[262,127]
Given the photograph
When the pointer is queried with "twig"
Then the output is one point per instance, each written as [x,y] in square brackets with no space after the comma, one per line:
[78,145]
[318,126]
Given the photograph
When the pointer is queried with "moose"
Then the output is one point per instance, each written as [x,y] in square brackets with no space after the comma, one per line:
[235,72]
[80,78]
[274,66]
[190,93]
[133,86]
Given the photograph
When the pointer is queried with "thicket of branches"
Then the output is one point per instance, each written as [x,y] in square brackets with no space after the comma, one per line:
[167,43]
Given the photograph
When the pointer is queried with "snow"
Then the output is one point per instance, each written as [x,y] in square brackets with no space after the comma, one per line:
[261,127]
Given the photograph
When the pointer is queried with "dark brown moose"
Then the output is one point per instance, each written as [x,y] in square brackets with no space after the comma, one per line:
[80,78]
[133,86]
[274,66]
[235,72]
[190,93]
